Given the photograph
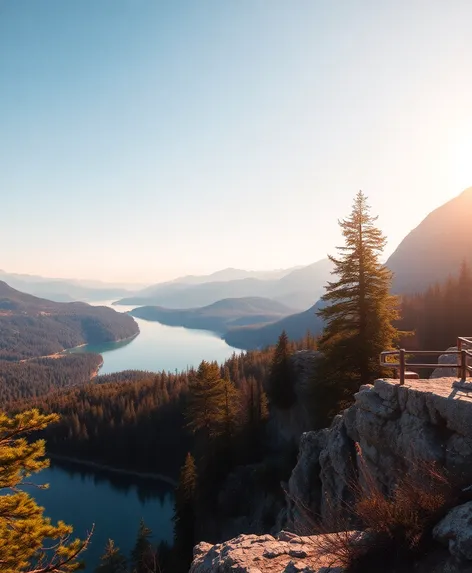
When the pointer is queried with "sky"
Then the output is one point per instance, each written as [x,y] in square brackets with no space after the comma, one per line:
[146,139]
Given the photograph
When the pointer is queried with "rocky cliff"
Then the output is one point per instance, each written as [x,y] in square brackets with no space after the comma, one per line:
[391,429]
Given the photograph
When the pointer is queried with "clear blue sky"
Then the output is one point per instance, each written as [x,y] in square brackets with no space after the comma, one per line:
[143,139]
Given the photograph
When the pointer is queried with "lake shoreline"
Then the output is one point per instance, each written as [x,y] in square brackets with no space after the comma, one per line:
[104,467]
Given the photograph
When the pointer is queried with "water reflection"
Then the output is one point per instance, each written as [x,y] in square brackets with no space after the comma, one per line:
[115,503]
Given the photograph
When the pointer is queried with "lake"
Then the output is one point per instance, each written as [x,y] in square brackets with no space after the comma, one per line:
[80,495]
[114,502]
[158,347]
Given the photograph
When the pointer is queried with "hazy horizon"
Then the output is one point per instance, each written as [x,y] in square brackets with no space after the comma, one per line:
[146,141]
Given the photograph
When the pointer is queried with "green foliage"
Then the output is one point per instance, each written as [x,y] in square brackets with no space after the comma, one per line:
[112,560]
[359,309]
[280,386]
[25,534]
[143,556]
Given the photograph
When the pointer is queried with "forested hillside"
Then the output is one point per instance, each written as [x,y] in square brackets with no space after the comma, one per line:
[31,326]
[440,314]
[32,378]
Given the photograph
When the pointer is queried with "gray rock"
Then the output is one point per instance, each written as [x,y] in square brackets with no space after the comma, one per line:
[455,531]
[446,359]
[303,495]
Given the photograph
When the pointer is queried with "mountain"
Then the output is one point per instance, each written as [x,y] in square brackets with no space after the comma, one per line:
[32,326]
[231,274]
[295,325]
[219,316]
[436,248]
[64,290]
[298,289]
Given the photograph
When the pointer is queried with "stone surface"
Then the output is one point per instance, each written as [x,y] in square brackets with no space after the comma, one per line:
[455,531]
[446,359]
[388,431]
[288,553]
[303,493]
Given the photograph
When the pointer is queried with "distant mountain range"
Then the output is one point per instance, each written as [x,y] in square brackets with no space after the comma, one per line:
[231,274]
[219,316]
[65,290]
[32,327]
[435,249]
[298,288]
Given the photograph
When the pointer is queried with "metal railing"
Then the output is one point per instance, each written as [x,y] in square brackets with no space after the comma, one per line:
[463,352]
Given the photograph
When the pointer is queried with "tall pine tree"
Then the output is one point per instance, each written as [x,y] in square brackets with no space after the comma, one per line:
[360,310]
[143,556]
[206,401]
[280,389]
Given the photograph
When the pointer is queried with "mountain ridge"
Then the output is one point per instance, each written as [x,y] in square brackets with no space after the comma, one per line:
[300,289]
[434,249]
[219,316]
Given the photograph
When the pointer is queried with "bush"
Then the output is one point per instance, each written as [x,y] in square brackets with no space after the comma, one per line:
[394,531]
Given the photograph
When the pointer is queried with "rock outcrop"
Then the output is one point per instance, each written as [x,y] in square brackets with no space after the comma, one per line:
[288,553]
[390,430]
[394,428]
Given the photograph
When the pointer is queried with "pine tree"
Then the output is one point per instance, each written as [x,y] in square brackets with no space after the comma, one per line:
[184,512]
[143,555]
[230,409]
[359,309]
[112,560]
[24,531]
[206,401]
[280,390]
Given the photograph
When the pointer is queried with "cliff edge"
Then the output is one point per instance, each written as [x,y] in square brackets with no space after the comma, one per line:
[390,429]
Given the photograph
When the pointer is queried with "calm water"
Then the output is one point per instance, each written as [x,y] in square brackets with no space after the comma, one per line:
[115,503]
[158,347]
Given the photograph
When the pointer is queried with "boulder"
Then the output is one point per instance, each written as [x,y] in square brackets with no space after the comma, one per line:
[288,553]
[455,531]
[446,359]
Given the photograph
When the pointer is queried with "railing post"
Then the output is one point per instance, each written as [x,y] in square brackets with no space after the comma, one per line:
[459,348]
[463,365]
[402,366]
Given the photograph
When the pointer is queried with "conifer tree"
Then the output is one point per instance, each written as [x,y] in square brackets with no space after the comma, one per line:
[230,410]
[280,390]
[143,556]
[24,531]
[112,560]
[255,404]
[359,309]
[184,512]
[206,400]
